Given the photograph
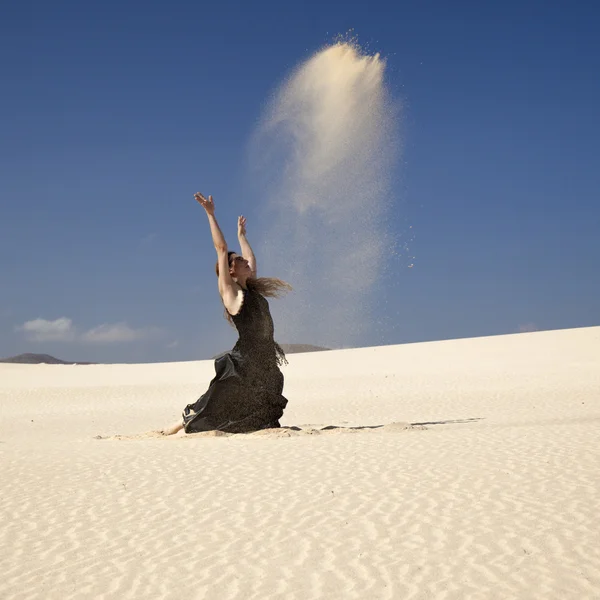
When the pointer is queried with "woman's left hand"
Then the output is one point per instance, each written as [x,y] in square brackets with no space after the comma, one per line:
[241,226]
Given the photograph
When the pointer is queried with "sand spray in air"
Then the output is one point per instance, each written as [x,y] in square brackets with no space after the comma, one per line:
[324,151]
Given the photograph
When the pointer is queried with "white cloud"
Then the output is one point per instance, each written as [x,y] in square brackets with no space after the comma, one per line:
[63,330]
[117,332]
[173,344]
[41,330]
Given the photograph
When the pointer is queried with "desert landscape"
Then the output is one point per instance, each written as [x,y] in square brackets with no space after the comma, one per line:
[454,469]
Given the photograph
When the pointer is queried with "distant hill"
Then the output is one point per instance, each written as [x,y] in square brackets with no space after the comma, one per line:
[297,348]
[37,359]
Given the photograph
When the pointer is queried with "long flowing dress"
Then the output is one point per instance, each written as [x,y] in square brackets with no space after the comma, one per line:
[246,392]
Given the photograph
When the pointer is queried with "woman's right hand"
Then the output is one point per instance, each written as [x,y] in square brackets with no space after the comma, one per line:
[207,205]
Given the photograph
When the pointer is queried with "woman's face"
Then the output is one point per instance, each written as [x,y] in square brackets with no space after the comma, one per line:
[238,266]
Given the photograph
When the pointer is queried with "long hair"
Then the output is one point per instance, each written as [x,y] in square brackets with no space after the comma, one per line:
[270,287]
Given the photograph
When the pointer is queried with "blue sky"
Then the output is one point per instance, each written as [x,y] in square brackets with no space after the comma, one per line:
[114,114]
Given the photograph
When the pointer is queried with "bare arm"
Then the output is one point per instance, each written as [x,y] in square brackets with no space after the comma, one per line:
[227,287]
[215,230]
[245,245]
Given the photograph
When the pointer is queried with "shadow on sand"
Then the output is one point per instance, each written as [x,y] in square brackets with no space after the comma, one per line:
[421,425]
[451,421]
[294,430]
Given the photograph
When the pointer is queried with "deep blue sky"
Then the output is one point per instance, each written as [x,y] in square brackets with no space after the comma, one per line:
[115,113]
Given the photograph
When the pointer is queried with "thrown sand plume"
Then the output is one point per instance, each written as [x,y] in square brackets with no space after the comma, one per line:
[324,151]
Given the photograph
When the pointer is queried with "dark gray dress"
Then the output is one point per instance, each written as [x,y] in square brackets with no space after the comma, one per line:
[246,393]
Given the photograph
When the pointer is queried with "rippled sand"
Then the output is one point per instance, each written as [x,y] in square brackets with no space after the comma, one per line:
[457,469]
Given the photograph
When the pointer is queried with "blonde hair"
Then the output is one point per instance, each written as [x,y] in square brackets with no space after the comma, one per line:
[270,287]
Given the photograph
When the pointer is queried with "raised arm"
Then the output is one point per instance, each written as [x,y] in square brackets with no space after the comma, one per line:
[227,287]
[217,235]
[245,246]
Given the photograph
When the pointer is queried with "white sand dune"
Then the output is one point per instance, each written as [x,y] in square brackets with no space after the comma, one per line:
[459,469]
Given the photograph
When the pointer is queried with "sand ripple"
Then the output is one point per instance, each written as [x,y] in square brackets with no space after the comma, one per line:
[496,513]
[496,499]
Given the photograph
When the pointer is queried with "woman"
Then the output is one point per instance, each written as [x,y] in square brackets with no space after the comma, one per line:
[245,394]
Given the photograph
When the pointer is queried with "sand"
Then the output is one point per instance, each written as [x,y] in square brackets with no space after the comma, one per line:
[457,469]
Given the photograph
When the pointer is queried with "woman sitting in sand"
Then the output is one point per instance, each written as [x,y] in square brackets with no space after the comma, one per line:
[246,393]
